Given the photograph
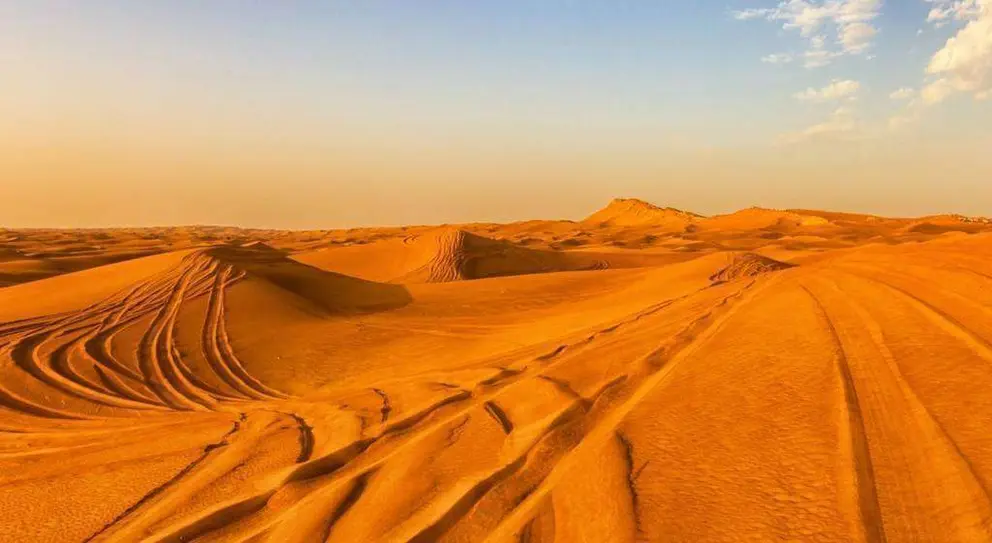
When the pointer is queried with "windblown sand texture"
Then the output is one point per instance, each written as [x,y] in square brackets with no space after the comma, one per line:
[646,374]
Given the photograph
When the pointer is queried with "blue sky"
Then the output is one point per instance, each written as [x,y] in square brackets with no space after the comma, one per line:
[489,110]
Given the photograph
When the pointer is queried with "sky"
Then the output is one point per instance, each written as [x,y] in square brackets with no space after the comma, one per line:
[313,114]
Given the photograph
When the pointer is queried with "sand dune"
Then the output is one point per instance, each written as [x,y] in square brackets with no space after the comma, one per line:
[451,254]
[757,218]
[746,265]
[455,384]
[634,212]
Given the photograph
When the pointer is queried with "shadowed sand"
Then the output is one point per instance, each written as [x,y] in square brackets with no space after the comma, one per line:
[646,374]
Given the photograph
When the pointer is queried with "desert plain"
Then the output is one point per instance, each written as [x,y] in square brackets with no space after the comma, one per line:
[645,374]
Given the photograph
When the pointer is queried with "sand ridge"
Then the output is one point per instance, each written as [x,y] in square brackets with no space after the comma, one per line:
[634,212]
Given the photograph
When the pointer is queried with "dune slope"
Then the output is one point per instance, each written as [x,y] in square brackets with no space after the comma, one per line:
[634,212]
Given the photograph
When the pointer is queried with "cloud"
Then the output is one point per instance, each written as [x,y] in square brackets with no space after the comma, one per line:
[945,11]
[777,58]
[849,22]
[964,63]
[904,93]
[818,55]
[856,38]
[837,90]
[841,125]
[752,13]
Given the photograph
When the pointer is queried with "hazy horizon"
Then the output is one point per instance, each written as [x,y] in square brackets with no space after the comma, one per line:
[324,115]
[498,220]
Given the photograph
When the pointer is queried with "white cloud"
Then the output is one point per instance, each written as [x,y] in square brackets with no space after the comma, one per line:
[849,22]
[836,90]
[962,66]
[945,11]
[964,63]
[904,93]
[938,17]
[818,55]
[777,58]
[936,92]
[752,13]
[856,37]
[841,125]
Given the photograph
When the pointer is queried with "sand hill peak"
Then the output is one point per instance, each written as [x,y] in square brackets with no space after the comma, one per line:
[635,212]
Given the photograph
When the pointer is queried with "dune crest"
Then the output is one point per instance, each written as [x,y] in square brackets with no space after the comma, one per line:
[759,218]
[634,212]
[448,254]
[746,265]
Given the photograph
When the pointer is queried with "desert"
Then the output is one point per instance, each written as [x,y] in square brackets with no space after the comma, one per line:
[645,374]
[506,271]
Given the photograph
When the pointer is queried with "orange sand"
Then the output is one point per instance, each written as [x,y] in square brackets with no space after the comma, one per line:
[646,374]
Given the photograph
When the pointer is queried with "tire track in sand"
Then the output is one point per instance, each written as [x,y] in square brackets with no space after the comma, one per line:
[228,357]
[930,485]
[513,523]
[211,341]
[150,495]
[340,467]
[854,435]
[151,350]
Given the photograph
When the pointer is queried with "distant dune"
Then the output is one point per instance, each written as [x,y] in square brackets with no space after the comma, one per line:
[758,218]
[645,374]
[634,212]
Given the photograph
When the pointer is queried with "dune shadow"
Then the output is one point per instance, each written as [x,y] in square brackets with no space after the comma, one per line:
[336,293]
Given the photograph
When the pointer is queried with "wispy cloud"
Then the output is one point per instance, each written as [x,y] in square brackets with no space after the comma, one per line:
[818,54]
[945,11]
[850,24]
[841,125]
[904,93]
[777,58]
[837,90]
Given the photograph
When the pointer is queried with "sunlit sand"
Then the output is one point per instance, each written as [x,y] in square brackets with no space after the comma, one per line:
[646,374]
